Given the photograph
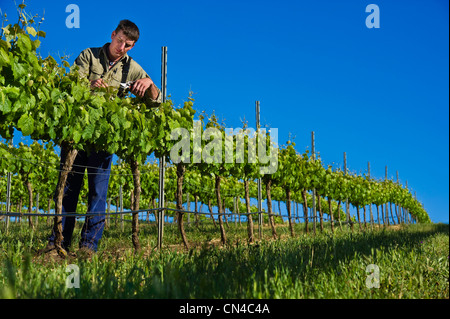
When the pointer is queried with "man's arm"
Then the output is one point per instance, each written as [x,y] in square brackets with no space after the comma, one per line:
[84,62]
[144,86]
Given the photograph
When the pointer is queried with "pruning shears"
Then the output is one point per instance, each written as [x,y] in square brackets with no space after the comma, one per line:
[126,85]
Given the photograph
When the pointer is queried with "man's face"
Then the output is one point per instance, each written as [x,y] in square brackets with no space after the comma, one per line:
[120,45]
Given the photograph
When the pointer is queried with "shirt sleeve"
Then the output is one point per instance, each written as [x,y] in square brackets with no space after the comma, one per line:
[83,61]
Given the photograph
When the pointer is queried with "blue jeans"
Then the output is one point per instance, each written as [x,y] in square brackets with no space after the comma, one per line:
[98,165]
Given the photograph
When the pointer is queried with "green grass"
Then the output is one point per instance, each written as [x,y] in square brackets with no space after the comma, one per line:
[413,263]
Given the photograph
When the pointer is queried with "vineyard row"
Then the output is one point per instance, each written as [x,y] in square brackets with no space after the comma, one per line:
[50,102]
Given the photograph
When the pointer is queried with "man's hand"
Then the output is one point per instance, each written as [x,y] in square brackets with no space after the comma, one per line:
[140,86]
[99,83]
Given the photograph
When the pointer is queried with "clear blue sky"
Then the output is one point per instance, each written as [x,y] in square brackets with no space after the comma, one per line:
[380,95]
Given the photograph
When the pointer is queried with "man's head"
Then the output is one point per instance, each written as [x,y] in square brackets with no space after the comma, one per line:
[123,39]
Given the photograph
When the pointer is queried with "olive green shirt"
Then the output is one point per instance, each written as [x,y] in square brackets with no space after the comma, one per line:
[94,64]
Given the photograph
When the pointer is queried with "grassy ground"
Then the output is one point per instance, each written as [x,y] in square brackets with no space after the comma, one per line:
[410,262]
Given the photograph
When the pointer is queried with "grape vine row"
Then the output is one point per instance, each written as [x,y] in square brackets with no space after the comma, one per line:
[50,102]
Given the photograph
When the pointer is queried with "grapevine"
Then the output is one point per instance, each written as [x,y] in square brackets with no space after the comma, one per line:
[51,103]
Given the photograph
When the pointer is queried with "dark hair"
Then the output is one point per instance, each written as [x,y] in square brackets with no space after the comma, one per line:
[129,29]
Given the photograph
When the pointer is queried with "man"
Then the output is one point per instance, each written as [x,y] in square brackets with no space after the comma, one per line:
[109,65]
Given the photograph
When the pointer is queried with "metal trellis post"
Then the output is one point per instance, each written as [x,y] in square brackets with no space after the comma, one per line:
[162,160]
[8,199]
[121,202]
[313,150]
[347,208]
[260,216]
